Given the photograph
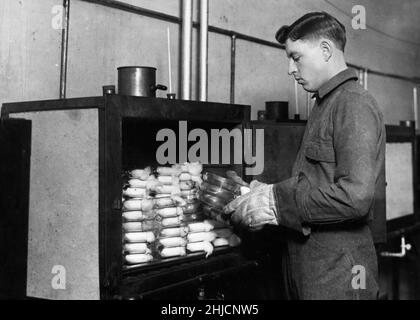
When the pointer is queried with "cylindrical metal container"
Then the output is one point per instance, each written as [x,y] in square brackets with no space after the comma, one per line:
[138,81]
[407,123]
[277,110]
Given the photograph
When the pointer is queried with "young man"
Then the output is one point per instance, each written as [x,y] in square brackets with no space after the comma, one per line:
[329,199]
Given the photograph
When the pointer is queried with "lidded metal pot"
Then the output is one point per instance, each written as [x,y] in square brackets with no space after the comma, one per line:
[138,81]
[277,110]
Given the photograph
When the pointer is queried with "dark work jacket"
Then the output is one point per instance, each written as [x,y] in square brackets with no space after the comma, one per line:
[330,197]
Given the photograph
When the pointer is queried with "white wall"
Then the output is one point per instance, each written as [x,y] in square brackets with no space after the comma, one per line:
[101,39]
[29,51]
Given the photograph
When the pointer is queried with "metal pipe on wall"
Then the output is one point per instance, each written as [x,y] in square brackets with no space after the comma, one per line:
[415,107]
[365,79]
[361,76]
[308,104]
[64,48]
[186,60]
[204,22]
[232,68]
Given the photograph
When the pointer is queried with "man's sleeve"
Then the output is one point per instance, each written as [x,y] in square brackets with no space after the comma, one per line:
[357,128]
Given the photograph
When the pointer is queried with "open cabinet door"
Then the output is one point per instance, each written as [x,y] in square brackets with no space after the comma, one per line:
[15,149]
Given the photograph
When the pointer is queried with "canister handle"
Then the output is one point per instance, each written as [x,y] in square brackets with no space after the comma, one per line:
[158,87]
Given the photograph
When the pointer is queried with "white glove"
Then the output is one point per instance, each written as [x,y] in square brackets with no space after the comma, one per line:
[254,209]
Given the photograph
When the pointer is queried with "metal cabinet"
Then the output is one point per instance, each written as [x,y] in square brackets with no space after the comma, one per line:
[69,228]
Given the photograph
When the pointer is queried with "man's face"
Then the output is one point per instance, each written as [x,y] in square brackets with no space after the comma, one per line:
[306,63]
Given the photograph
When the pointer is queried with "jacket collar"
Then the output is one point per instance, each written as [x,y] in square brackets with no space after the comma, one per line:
[335,81]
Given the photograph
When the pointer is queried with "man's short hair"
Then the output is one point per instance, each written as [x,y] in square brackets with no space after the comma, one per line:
[314,25]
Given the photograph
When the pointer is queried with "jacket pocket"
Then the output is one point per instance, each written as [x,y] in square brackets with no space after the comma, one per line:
[334,267]
[320,150]
[326,272]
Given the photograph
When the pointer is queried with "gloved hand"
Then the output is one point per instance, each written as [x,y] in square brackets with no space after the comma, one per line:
[254,209]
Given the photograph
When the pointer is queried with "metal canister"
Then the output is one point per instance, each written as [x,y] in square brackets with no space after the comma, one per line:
[138,81]
[277,110]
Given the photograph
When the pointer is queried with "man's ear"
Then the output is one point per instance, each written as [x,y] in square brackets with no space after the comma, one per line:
[327,49]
